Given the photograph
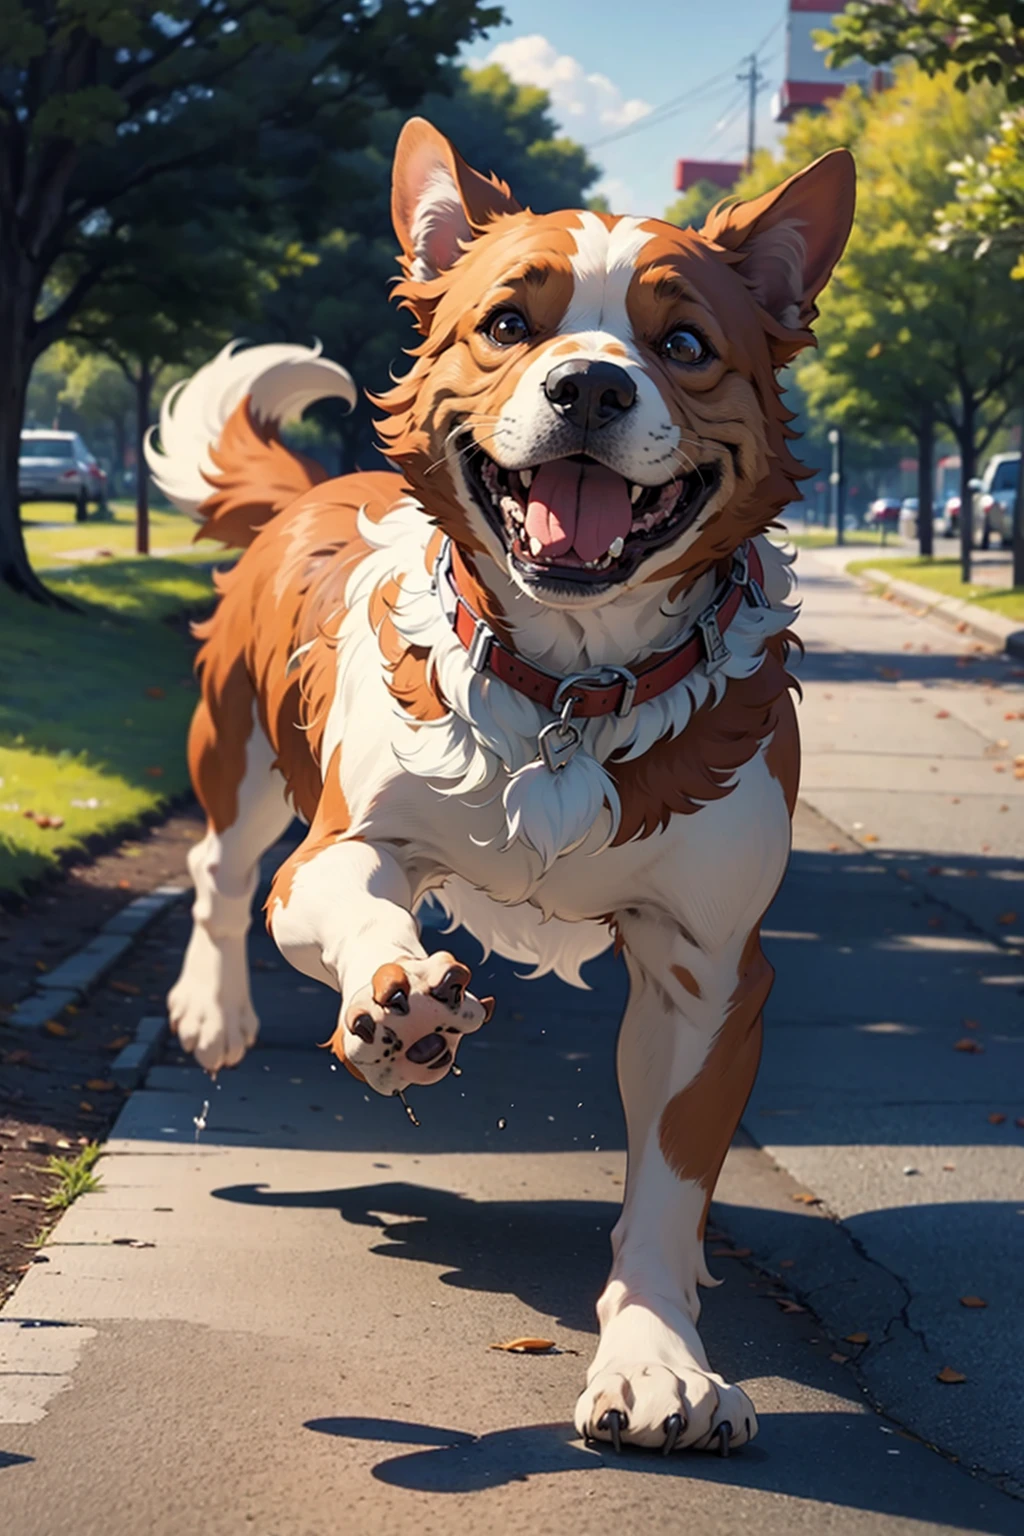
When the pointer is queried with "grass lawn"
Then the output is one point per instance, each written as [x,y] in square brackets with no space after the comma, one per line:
[51,531]
[818,538]
[943,578]
[95,705]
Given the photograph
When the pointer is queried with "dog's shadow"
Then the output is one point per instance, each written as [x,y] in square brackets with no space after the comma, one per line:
[816,1457]
[552,1254]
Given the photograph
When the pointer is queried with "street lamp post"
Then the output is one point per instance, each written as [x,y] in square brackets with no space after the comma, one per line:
[835,480]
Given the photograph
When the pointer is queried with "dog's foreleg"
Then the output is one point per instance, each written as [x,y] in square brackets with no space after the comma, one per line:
[687,1057]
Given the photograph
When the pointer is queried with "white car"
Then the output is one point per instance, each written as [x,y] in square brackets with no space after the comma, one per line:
[995,499]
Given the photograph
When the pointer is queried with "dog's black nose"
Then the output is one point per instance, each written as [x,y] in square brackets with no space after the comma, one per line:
[589,394]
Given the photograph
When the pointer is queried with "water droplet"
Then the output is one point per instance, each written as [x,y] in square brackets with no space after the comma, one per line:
[502,1124]
[580,1104]
[199,1121]
[334,1066]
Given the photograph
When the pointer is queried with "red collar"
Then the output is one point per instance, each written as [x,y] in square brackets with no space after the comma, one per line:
[609,690]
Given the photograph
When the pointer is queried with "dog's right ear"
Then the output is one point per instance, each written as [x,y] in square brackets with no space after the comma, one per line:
[438,202]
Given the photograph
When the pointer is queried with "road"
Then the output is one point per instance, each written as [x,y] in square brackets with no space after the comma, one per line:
[282,1325]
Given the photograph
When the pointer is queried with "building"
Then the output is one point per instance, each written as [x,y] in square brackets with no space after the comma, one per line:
[808,83]
[721,173]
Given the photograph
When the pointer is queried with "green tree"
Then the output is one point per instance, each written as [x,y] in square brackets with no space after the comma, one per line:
[102,105]
[690,210]
[340,294]
[984,41]
[909,335]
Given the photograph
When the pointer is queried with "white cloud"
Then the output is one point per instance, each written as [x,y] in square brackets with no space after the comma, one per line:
[587,106]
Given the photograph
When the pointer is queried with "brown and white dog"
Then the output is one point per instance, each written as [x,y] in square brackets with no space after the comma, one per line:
[542,675]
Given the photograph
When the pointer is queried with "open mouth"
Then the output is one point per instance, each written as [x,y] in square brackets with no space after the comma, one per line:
[573,520]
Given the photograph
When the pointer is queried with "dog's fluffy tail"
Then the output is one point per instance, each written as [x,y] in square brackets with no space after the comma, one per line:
[220,458]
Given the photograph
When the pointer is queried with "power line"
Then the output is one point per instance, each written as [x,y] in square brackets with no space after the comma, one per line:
[682,103]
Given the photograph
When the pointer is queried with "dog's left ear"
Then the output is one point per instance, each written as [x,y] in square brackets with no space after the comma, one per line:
[788,241]
[438,201]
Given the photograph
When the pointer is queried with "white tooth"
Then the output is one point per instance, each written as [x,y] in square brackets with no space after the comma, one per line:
[636,493]
[526,476]
[535,545]
[616,547]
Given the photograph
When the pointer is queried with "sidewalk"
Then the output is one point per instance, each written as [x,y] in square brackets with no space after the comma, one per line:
[226,1344]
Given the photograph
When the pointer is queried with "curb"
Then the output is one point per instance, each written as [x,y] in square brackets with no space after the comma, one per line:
[130,1065]
[1006,634]
[79,973]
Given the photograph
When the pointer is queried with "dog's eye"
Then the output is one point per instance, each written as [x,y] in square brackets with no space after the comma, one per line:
[507,328]
[685,346]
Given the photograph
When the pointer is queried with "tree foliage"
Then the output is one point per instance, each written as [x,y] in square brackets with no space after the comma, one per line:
[692,208]
[983,41]
[910,337]
[107,109]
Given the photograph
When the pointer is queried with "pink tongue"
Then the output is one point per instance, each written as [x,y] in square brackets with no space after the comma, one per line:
[582,507]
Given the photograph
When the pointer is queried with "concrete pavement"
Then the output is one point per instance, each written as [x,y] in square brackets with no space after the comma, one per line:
[227,1343]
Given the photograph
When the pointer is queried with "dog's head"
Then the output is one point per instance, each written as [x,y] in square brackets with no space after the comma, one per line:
[594,404]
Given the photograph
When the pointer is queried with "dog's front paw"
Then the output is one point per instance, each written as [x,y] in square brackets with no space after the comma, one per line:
[209,1008]
[646,1388]
[405,1026]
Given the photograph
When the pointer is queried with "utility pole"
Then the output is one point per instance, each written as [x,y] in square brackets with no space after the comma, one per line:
[752,77]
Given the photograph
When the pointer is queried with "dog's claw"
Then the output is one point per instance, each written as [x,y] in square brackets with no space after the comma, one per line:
[614,1421]
[724,1433]
[674,1426]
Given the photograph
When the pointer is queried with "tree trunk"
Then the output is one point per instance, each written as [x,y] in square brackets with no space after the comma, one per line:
[143,391]
[16,307]
[925,484]
[965,437]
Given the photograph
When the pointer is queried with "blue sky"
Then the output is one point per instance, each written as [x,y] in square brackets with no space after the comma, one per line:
[609,66]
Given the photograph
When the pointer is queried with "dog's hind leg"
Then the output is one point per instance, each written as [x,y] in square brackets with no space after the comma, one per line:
[231,762]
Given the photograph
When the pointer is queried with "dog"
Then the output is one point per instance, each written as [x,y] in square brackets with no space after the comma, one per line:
[540,674]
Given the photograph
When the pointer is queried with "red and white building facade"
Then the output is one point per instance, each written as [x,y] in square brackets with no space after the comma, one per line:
[808,83]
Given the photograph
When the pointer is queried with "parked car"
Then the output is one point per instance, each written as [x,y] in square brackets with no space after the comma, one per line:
[57,466]
[884,512]
[908,518]
[995,499]
[949,520]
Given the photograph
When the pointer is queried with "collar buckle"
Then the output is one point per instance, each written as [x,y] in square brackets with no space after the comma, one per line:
[479,651]
[741,577]
[716,652]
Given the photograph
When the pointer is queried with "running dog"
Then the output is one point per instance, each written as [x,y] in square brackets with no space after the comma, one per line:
[539,673]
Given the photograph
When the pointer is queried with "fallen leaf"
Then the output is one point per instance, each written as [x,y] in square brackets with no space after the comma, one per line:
[972,1301]
[100,1085]
[791,1306]
[972,1046]
[155,772]
[524,1346]
[833,848]
[934,869]
[52,1027]
[942,714]
[730,1253]
[1019,1122]
[948,1167]
[857,1338]
[41,965]
[805,1199]
[17,1059]
[126,986]
[119,1043]
[786,1263]
[839,1359]
[996,1118]
[124,885]
[85,1105]
[1006,919]
[970,1023]
[962,627]
[870,837]
[949,1376]
[154,693]
[935,922]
